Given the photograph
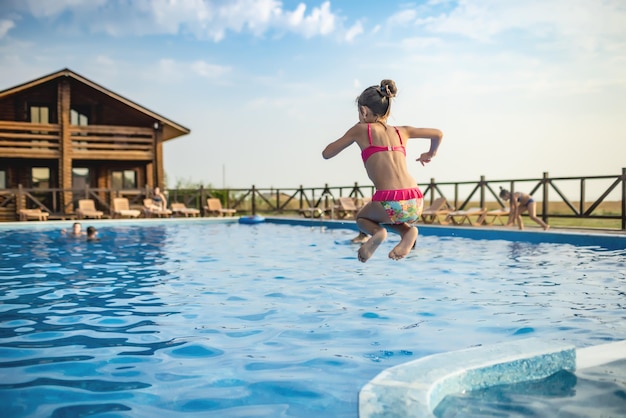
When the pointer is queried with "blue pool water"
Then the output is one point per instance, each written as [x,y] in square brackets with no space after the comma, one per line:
[230,320]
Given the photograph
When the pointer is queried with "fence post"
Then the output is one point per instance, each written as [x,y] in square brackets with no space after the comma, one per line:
[482,191]
[301,192]
[581,205]
[20,197]
[202,199]
[432,187]
[623,198]
[253,200]
[544,204]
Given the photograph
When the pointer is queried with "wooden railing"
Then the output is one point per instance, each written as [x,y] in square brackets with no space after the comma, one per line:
[557,197]
[25,139]
[34,139]
[102,142]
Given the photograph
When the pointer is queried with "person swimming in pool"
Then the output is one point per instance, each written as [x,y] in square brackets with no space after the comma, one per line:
[397,202]
[92,234]
[76,231]
[520,203]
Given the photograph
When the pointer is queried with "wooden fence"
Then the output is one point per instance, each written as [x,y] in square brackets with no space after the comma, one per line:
[557,197]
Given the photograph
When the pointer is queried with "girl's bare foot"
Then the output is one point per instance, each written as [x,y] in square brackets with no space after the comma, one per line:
[545,228]
[406,244]
[360,239]
[369,247]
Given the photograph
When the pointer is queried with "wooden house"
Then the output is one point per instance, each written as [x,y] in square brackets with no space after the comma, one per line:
[62,132]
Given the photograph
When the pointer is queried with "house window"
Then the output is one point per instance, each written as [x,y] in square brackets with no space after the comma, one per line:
[124,179]
[40,177]
[39,114]
[81,177]
[3,179]
[78,118]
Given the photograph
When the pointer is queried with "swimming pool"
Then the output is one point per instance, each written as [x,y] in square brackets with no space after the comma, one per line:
[193,318]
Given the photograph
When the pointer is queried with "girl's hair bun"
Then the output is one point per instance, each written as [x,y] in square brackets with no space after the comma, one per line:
[388,88]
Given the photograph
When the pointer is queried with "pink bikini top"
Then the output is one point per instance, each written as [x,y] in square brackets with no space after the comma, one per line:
[373,149]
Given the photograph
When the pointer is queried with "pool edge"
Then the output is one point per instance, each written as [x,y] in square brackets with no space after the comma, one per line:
[414,389]
[609,240]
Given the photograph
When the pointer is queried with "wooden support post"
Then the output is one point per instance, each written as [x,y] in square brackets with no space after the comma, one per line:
[65,145]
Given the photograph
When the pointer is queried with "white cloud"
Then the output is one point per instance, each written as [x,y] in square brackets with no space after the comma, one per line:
[353,32]
[403,17]
[5,27]
[579,23]
[204,19]
[51,9]
[320,21]
[207,70]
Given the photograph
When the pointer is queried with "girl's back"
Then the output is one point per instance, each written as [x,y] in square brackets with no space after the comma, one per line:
[384,155]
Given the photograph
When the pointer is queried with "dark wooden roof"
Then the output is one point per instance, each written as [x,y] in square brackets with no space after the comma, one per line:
[171,129]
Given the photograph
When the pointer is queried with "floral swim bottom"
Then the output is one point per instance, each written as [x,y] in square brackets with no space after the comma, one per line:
[402,206]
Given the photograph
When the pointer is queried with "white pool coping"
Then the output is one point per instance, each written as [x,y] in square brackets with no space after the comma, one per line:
[414,389]
[600,354]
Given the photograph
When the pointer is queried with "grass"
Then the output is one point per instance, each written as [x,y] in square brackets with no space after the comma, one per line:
[583,223]
[610,208]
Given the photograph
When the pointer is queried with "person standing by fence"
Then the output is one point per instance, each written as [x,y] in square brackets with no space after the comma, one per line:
[397,202]
[520,203]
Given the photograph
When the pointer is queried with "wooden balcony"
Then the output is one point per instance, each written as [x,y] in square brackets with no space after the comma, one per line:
[94,142]
[31,140]
[99,142]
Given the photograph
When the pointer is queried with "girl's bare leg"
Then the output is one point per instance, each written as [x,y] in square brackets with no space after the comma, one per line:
[378,235]
[408,237]
[369,221]
[361,238]
[532,214]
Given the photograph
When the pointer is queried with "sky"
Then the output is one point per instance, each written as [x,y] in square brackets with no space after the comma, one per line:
[518,88]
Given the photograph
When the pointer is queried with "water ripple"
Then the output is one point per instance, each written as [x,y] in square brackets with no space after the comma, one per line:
[227,320]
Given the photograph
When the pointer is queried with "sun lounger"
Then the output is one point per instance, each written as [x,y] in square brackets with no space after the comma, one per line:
[437,212]
[214,207]
[151,209]
[473,216]
[34,214]
[87,209]
[182,210]
[500,215]
[345,208]
[363,201]
[311,212]
[121,209]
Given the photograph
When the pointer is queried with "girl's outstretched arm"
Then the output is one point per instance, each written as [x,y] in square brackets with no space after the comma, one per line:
[342,143]
[435,136]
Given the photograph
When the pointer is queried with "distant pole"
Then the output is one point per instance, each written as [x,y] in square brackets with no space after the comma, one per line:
[546,199]
[623,199]
[223,176]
